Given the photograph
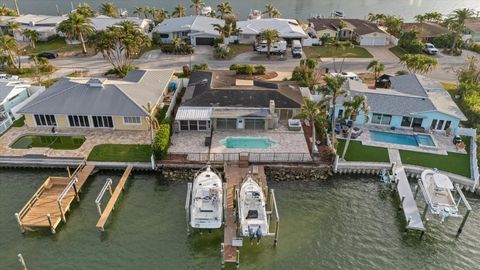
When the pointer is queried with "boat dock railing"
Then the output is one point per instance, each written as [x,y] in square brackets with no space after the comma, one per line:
[106,186]
[187,205]
[242,156]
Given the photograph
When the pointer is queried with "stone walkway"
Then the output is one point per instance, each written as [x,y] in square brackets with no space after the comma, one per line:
[93,137]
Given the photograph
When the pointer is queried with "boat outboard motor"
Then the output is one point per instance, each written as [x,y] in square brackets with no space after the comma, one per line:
[251,234]
[259,234]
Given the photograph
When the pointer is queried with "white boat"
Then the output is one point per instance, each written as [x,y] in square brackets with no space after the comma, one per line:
[206,208]
[437,189]
[255,15]
[251,210]
[338,14]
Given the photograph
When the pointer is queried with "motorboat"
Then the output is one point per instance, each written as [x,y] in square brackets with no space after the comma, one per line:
[206,208]
[437,189]
[338,14]
[255,15]
[251,210]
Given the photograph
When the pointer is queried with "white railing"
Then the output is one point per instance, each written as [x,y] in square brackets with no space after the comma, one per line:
[36,91]
[473,152]
[5,125]
[180,84]
[245,156]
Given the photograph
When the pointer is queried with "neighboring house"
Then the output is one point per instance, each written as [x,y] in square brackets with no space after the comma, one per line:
[196,30]
[99,103]
[213,100]
[472,32]
[361,32]
[12,93]
[45,25]
[288,29]
[412,101]
[426,31]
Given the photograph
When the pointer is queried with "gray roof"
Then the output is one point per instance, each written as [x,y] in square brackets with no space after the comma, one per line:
[408,84]
[76,96]
[196,23]
[5,90]
[287,28]
[102,22]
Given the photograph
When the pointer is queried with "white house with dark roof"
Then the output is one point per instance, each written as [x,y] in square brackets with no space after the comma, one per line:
[196,30]
[99,103]
[412,102]
[288,29]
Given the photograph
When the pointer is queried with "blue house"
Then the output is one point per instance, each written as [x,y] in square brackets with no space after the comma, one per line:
[12,93]
[412,102]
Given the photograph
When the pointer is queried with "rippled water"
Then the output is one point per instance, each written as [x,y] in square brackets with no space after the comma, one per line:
[301,9]
[342,223]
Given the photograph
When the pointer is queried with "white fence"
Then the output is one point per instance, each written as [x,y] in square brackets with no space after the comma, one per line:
[393,40]
[5,125]
[180,84]
[245,156]
[473,151]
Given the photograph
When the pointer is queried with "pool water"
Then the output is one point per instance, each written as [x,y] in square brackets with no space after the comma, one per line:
[248,142]
[396,138]
[50,141]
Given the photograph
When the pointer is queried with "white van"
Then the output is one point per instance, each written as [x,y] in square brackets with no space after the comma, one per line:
[296,48]
[348,75]
[276,48]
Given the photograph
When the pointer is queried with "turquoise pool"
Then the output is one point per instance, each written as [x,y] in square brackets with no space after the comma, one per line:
[397,138]
[248,142]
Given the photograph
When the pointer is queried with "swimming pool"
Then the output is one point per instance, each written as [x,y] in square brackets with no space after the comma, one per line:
[397,138]
[248,142]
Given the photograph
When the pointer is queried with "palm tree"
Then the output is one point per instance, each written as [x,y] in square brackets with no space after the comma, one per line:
[331,91]
[197,5]
[147,11]
[9,48]
[77,27]
[109,9]
[456,23]
[353,108]
[179,11]
[378,18]
[376,67]
[86,10]
[341,25]
[310,111]
[272,11]
[418,63]
[159,15]
[32,35]
[270,36]
[6,11]
[16,7]
[13,27]
[224,8]
[177,43]
[345,46]
[138,11]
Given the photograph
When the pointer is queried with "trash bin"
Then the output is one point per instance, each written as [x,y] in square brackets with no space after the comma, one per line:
[173,86]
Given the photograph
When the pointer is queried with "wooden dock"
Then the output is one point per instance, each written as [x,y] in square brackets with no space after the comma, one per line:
[234,175]
[113,199]
[49,204]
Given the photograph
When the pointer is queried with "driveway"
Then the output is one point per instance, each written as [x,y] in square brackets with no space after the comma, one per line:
[382,53]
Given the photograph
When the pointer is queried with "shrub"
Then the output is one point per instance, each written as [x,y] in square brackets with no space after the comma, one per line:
[161,114]
[410,42]
[220,53]
[162,141]
[474,47]
[182,49]
[260,70]
[235,67]
[198,67]
[244,69]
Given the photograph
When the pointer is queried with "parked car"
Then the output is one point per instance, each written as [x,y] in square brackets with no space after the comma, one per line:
[278,47]
[430,49]
[48,55]
[348,75]
[296,48]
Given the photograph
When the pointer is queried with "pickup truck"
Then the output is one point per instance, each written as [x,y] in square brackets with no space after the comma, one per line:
[430,49]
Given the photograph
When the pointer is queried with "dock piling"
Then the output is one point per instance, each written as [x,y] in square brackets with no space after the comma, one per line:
[19,221]
[187,206]
[416,192]
[464,220]
[22,261]
[425,213]
[52,228]
[238,258]
[222,253]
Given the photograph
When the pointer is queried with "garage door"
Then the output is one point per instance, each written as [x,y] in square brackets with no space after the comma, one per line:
[204,41]
[373,41]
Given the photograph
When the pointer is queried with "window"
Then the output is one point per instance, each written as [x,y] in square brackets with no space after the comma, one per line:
[377,118]
[434,124]
[78,121]
[226,123]
[202,125]
[340,113]
[164,35]
[417,122]
[386,119]
[46,120]
[440,124]
[255,124]
[14,97]
[447,125]
[382,119]
[183,125]
[132,120]
[102,121]
[406,121]
[193,125]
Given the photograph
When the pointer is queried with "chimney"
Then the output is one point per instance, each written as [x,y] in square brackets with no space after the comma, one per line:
[272,106]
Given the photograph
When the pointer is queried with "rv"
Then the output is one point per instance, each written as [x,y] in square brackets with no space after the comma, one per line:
[279,47]
[296,48]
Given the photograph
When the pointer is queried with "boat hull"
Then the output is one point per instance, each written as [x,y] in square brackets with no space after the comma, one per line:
[206,208]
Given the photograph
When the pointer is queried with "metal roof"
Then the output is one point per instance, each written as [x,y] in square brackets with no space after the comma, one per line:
[196,23]
[193,113]
[287,28]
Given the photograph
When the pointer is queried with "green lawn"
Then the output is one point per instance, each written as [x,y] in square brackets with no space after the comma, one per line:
[20,122]
[453,162]
[50,141]
[399,52]
[121,152]
[55,45]
[358,152]
[329,51]
[236,49]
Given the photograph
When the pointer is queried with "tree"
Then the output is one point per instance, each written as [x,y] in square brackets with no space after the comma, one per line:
[179,11]
[345,46]
[331,91]
[138,11]
[376,67]
[224,8]
[6,11]
[394,25]
[435,17]
[147,11]
[378,18]
[109,9]
[249,69]
[311,111]
[270,36]
[9,50]
[272,11]
[341,25]
[85,10]
[159,15]
[197,5]
[353,108]
[456,24]
[32,35]
[410,42]
[77,27]
[469,77]
[418,63]
[12,27]
[119,44]
[39,64]
[15,3]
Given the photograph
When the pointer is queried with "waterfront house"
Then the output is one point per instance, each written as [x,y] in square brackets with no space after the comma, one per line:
[412,102]
[288,29]
[426,30]
[472,31]
[213,100]
[361,32]
[196,30]
[45,25]
[12,93]
[100,103]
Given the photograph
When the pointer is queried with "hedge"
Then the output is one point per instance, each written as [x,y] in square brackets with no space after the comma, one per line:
[171,49]
[162,141]
[242,69]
